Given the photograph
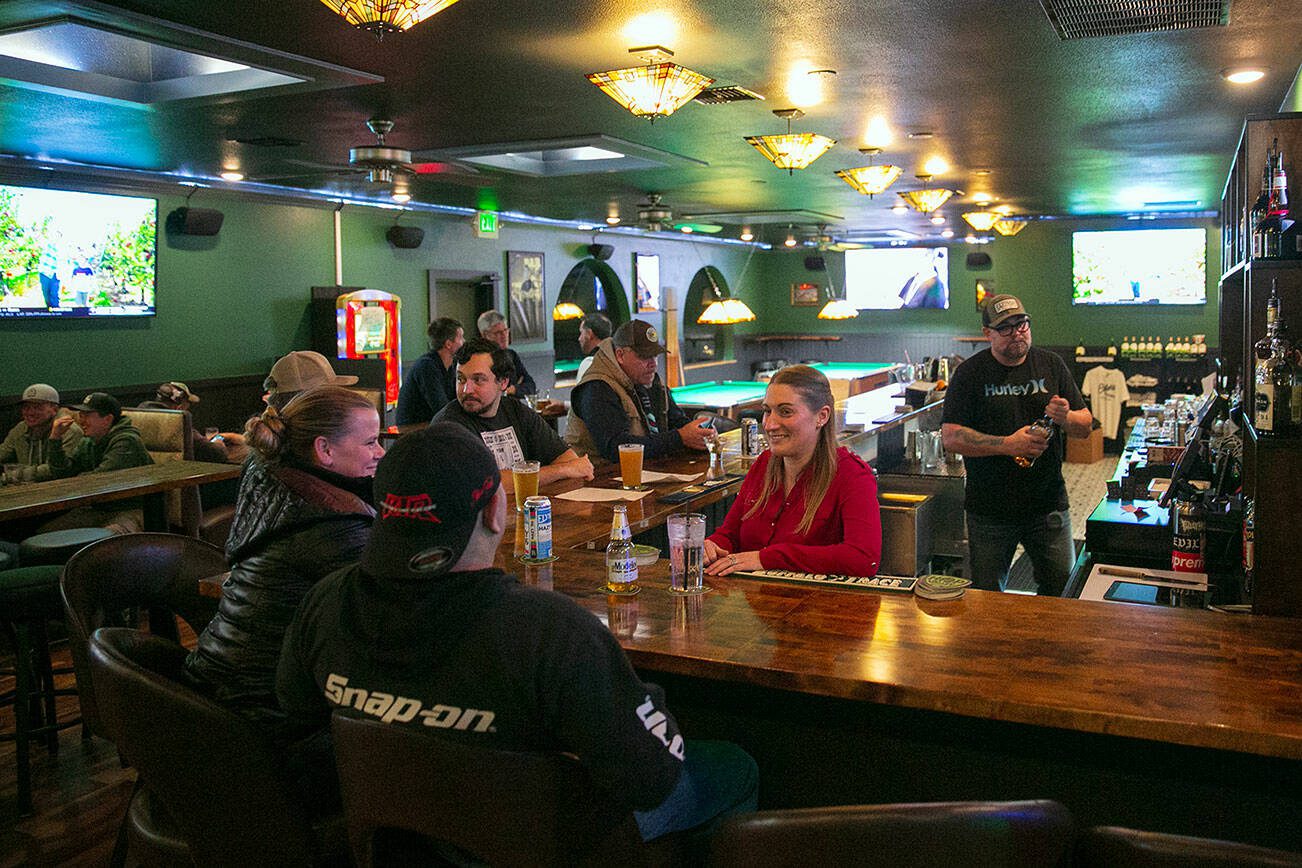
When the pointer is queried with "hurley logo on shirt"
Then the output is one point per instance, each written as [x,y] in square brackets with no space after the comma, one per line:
[1016,390]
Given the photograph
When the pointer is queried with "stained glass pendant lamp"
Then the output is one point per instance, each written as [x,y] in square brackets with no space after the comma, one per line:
[1009,225]
[567,310]
[870,179]
[655,90]
[981,221]
[724,311]
[386,16]
[791,151]
[927,199]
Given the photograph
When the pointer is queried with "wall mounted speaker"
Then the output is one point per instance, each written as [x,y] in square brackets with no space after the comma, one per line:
[405,237]
[978,259]
[815,263]
[195,221]
[601,252]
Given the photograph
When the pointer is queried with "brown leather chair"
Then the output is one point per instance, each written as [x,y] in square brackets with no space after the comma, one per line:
[217,777]
[499,807]
[940,834]
[1131,848]
[155,571]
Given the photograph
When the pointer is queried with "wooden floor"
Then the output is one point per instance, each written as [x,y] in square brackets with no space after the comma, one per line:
[79,795]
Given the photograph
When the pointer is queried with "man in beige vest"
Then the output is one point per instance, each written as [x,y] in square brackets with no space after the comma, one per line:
[621,399]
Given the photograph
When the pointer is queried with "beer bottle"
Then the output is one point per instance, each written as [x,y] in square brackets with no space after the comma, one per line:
[1044,425]
[621,565]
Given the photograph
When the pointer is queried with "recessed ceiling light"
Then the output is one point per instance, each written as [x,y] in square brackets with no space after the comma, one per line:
[400,196]
[936,166]
[612,220]
[982,198]
[948,233]
[685,229]
[232,175]
[938,220]
[921,134]
[1245,75]
[746,234]
[791,240]
[982,173]
[900,208]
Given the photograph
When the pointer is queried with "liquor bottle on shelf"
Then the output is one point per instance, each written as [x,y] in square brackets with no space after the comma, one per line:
[1259,210]
[1080,348]
[1127,347]
[1272,224]
[1112,350]
[1272,413]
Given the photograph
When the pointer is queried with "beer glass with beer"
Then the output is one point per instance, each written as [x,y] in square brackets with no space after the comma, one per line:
[630,465]
[524,478]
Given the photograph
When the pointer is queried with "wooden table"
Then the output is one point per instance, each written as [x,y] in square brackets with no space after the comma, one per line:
[150,482]
[1173,719]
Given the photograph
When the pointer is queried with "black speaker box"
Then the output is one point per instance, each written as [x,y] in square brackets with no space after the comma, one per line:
[405,237]
[195,221]
[601,252]
[815,263]
[978,259]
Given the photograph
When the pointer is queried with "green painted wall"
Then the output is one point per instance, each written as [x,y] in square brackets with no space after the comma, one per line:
[1034,265]
[232,304]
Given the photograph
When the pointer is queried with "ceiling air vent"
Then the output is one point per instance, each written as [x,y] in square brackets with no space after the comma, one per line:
[1078,19]
[729,93]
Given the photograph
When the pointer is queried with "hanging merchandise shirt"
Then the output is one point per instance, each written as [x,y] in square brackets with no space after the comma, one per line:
[1106,389]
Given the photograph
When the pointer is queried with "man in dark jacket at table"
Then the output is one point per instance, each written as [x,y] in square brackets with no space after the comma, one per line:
[621,399]
[111,443]
[431,383]
[426,634]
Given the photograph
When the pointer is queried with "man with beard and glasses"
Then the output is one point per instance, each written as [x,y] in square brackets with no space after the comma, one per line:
[990,405]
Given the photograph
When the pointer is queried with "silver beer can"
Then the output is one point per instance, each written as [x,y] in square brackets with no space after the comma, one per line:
[749,437]
[537,528]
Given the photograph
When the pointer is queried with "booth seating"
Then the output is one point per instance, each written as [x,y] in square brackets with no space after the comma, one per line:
[221,785]
[168,436]
[29,599]
[990,834]
[498,807]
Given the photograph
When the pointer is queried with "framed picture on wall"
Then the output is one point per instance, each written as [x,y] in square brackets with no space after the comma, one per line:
[646,271]
[525,296]
[985,287]
[804,294]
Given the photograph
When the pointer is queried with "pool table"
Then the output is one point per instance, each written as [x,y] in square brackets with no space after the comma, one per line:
[853,378]
[728,398]
[566,369]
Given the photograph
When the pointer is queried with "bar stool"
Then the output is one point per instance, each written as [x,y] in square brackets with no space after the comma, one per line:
[29,597]
[56,546]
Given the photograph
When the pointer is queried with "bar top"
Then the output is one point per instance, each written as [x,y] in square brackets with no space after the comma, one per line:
[1181,676]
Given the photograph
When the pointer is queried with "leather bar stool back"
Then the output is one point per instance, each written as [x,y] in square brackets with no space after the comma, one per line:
[941,834]
[499,807]
[219,779]
[160,572]
[1114,846]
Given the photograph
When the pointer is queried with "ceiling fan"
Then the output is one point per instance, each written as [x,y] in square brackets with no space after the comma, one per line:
[654,216]
[824,240]
[381,163]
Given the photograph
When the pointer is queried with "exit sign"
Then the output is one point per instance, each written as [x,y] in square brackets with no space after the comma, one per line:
[486,224]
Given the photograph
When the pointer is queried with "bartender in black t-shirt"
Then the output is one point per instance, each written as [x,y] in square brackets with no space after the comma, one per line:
[992,400]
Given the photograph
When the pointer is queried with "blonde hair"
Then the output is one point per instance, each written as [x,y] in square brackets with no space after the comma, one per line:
[292,430]
[815,393]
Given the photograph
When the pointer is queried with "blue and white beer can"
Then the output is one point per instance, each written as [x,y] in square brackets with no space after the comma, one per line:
[537,528]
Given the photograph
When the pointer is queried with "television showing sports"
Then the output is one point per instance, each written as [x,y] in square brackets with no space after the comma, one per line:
[1139,266]
[894,278]
[73,254]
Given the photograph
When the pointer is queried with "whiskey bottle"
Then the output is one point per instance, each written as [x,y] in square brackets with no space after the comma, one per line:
[1272,414]
[1045,426]
[1259,211]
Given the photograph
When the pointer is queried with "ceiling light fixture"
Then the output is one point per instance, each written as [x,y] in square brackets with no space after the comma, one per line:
[566,310]
[927,199]
[899,208]
[870,179]
[612,220]
[981,221]
[791,151]
[656,90]
[400,196]
[936,166]
[1010,226]
[791,238]
[1243,76]
[836,308]
[938,219]
[746,234]
[724,311]
[948,233]
[386,16]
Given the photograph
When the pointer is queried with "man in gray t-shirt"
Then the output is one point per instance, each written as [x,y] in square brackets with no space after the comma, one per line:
[511,431]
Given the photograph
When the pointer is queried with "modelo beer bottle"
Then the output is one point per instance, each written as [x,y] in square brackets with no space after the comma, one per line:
[621,564]
[1044,425]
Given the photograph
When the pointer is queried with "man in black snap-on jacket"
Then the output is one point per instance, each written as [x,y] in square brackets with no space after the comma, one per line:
[425,633]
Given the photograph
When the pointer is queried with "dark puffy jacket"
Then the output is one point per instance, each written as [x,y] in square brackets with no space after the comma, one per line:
[291,529]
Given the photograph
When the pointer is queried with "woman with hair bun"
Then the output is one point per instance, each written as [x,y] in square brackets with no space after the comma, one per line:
[304,510]
[806,504]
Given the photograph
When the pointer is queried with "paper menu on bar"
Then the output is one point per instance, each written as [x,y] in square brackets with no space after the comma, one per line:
[656,476]
[601,495]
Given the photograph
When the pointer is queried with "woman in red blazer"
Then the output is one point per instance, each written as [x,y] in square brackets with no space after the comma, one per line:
[806,504]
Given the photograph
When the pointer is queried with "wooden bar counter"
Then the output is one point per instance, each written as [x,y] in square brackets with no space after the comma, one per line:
[1172,719]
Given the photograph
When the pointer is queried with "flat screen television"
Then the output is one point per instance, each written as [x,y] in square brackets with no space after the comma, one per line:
[892,278]
[72,254]
[1139,266]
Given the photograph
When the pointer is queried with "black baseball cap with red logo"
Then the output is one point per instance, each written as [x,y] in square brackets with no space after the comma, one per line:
[429,491]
